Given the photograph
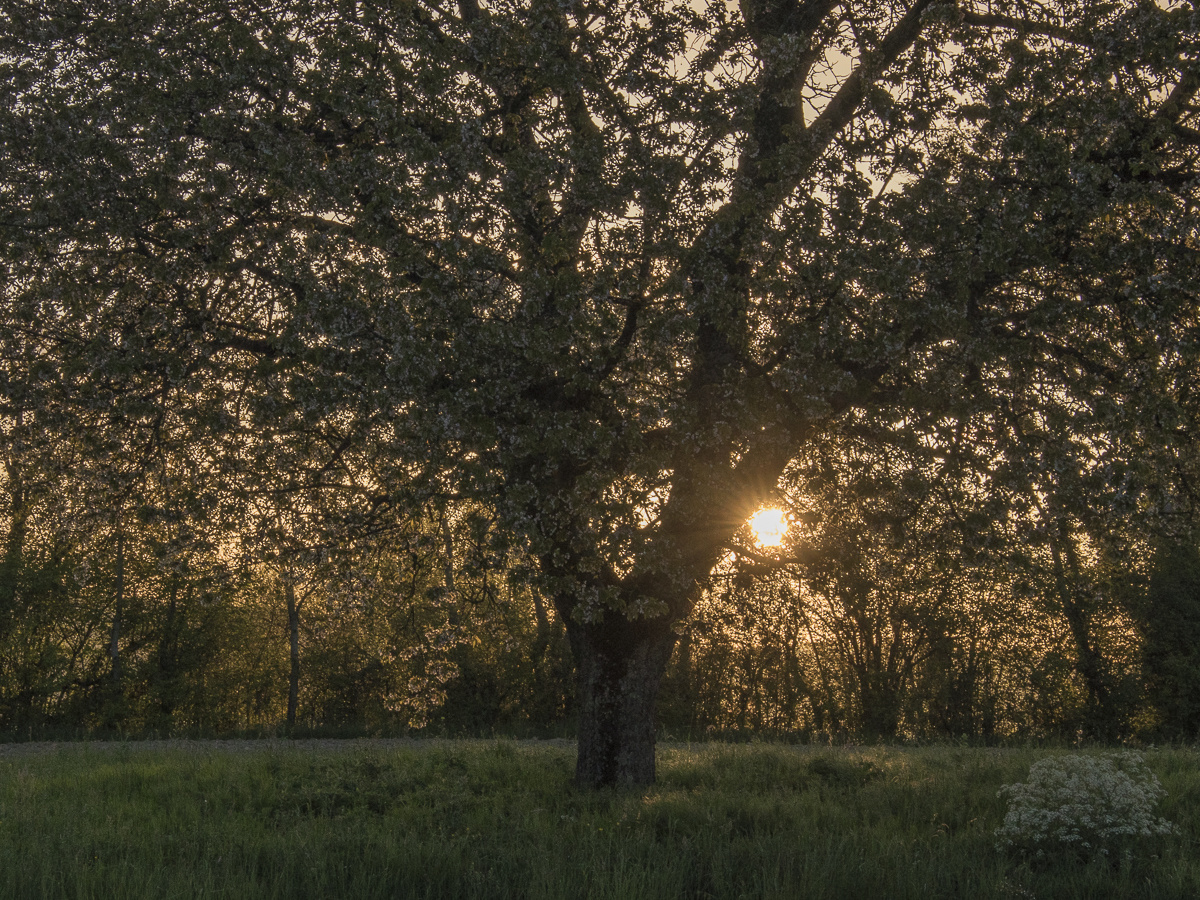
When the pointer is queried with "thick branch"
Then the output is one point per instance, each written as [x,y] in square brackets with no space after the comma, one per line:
[990,20]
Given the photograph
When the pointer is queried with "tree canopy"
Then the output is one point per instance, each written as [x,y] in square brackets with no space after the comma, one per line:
[612,272]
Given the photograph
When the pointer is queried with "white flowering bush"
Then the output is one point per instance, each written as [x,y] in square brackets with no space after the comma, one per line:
[1084,805]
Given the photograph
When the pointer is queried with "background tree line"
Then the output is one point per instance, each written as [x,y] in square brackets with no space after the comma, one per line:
[905,602]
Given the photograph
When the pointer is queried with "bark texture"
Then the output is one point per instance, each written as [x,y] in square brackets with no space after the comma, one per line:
[114,637]
[293,611]
[620,666]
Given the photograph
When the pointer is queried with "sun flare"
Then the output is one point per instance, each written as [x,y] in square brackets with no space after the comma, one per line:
[769,527]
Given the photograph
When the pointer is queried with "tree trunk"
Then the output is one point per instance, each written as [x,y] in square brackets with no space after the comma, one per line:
[880,707]
[293,611]
[1100,718]
[114,638]
[541,642]
[619,665]
[168,658]
[18,529]
[14,550]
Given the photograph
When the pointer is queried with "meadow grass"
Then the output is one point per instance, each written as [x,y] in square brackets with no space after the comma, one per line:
[500,819]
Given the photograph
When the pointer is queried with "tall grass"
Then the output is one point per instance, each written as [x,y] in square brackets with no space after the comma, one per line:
[496,819]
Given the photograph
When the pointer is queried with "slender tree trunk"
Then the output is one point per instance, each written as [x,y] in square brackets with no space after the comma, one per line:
[619,666]
[14,551]
[687,683]
[880,707]
[114,638]
[293,611]
[1100,714]
[448,579]
[541,641]
[168,657]
[14,543]
[448,550]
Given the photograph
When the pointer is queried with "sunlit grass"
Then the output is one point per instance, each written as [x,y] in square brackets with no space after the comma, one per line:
[500,819]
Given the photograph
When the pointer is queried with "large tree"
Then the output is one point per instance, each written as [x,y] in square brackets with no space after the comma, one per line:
[604,266]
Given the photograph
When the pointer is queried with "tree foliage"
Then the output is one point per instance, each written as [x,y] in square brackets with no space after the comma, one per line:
[609,269]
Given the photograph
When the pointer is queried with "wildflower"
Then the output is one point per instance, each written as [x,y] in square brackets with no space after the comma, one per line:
[1082,804]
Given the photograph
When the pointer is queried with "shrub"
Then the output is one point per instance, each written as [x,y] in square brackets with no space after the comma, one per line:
[1082,805]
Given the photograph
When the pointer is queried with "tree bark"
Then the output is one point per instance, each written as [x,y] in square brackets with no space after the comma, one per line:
[293,611]
[14,551]
[541,641]
[168,661]
[114,638]
[14,544]
[1100,716]
[619,667]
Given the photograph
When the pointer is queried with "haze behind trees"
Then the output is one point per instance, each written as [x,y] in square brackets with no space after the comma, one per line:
[565,292]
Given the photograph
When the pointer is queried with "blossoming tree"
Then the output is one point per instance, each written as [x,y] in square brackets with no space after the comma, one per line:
[605,266]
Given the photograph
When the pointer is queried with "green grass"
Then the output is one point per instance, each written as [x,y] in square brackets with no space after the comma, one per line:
[495,819]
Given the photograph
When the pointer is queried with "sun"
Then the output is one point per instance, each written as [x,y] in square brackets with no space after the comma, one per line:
[769,526]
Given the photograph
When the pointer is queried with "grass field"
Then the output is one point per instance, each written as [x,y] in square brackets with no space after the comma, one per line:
[500,819]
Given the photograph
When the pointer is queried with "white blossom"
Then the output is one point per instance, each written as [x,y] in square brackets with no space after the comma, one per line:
[1082,804]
